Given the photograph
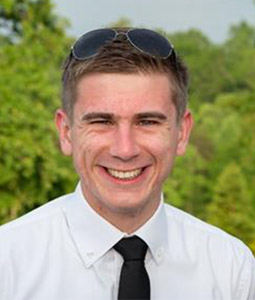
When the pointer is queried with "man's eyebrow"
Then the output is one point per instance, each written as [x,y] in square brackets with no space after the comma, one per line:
[96,115]
[108,116]
[151,114]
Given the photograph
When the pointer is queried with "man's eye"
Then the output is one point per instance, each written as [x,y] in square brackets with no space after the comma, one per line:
[148,122]
[102,122]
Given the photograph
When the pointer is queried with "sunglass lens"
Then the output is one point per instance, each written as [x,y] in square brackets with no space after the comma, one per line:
[150,42]
[89,44]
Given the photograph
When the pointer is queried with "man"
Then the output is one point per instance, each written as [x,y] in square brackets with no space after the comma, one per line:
[124,120]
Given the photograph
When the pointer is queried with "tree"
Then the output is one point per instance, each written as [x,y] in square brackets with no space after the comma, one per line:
[240,58]
[188,188]
[230,208]
[32,170]
[15,15]
[122,22]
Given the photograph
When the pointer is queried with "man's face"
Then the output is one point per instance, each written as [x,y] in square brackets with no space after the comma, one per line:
[123,139]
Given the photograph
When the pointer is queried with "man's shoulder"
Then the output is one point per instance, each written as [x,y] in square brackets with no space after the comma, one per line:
[32,223]
[196,244]
[198,234]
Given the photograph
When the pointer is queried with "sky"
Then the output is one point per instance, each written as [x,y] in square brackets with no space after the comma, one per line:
[212,17]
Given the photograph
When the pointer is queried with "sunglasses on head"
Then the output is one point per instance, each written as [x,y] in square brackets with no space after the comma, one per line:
[144,40]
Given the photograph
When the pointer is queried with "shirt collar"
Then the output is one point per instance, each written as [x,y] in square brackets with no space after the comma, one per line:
[94,236]
[154,233]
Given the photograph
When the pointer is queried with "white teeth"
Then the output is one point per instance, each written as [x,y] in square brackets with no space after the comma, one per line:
[123,174]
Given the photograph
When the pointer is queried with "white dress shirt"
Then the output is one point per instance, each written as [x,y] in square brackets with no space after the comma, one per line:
[63,251]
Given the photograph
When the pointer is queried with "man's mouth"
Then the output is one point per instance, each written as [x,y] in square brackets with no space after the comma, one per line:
[124,175]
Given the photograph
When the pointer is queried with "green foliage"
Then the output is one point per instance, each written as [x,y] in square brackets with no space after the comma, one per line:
[16,15]
[231,202]
[122,22]
[32,169]
[219,166]
[214,180]
[187,182]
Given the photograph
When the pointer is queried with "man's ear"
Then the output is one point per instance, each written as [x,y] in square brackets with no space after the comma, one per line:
[185,127]
[64,131]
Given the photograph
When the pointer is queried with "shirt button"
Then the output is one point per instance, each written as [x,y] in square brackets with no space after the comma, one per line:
[160,254]
[108,257]
[90,254]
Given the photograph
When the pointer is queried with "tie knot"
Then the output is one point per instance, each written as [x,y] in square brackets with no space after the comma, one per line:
[132,248]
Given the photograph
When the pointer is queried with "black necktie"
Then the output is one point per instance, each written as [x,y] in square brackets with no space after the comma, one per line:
[134,280]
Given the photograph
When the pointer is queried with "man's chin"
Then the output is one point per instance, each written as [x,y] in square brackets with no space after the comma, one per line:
[128,204]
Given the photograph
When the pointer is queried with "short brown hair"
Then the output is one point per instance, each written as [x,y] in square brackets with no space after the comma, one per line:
[119,56]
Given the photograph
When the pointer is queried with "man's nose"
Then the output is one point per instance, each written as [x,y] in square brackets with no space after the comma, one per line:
[124,145]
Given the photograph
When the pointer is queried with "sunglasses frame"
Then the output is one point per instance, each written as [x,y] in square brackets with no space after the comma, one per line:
[126,34]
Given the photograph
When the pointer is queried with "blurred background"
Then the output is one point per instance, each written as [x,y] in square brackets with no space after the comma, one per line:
[215,181]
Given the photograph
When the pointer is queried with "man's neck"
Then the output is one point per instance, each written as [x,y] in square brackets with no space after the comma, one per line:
[127,220]
[131,222]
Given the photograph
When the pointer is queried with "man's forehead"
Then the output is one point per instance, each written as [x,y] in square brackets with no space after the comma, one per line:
[124,95]
[103,84]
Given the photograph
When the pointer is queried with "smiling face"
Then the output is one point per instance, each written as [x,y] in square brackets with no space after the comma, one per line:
[123,139]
